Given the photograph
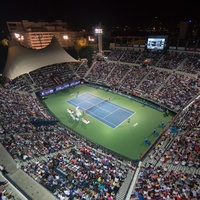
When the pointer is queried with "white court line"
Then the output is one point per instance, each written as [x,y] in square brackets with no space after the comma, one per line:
[102,119]
[135,124]
[125,119]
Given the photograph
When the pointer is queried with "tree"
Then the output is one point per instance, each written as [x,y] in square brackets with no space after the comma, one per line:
[4,42]
[79,43]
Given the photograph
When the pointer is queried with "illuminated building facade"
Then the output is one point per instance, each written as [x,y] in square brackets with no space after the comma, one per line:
[37,35]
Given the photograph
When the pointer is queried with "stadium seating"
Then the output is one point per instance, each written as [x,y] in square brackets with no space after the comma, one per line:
[49,152]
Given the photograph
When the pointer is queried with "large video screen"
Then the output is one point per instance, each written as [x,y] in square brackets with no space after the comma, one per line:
[156,43]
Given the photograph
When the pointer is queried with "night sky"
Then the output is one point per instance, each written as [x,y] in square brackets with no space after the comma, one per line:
[80,14]
[87,14]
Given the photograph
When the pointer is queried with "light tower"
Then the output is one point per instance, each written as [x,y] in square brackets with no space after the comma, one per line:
[99,32]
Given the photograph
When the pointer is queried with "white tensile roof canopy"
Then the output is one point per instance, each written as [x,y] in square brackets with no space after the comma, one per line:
[21,60]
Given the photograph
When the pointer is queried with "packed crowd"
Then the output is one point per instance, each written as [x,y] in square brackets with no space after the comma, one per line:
[72,169]
[42,141]
[53,75]
[80,173]
[18,110]
[149,82]
[172,169]
[100,71]
[76,171]
[160,80]
[172,60]
[192,64]
[103,174]
[190,117]
[153,81]
[133,77]
[160,183]
[178,91]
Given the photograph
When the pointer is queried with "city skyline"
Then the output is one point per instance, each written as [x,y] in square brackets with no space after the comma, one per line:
[86,14]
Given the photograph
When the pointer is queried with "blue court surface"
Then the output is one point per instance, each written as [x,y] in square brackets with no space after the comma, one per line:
[103,110]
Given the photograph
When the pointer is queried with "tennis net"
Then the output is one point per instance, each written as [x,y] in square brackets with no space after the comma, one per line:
[94,106]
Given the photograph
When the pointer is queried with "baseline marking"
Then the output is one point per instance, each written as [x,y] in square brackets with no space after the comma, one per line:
[135,124]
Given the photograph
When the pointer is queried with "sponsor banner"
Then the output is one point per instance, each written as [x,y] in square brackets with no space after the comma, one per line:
[172,48]
[58,88]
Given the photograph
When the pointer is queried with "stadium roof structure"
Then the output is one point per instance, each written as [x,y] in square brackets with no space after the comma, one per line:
[21,60]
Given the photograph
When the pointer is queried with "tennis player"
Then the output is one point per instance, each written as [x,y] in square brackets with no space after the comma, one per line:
[77,93]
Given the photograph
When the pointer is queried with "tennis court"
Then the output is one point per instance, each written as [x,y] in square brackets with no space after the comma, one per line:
[103,110]
[126,139]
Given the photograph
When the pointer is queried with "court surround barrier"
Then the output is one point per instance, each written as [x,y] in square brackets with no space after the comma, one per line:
[55,89]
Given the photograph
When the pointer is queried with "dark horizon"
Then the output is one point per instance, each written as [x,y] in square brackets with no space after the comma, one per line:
[80,14]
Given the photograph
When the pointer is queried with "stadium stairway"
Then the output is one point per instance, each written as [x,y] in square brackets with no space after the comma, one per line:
[45,157]
[121,195]
[11,191]
[30,186]
[90,69]
[179,167]
[140,83]
[166,80]
[124,76]
[20,182]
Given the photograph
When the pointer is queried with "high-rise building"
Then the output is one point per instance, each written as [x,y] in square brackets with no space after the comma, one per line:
[37,35]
